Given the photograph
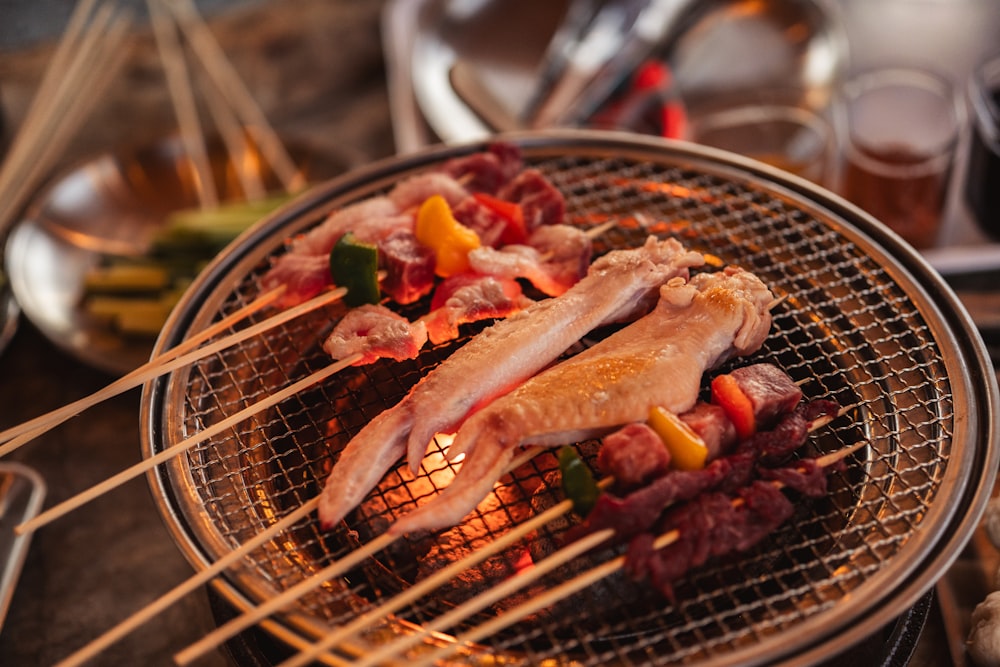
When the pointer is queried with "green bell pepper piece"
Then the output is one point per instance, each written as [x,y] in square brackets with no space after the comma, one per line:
[577,481]
[354,266]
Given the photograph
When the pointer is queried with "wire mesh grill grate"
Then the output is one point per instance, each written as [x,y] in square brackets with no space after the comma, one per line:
[846,328]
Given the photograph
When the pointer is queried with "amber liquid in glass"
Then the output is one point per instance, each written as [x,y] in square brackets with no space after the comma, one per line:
[911,205]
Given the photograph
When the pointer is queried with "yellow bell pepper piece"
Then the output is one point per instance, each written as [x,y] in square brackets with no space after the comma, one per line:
[687,449]
[450,240]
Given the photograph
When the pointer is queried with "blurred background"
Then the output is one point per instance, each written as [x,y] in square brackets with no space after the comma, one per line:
[355,81]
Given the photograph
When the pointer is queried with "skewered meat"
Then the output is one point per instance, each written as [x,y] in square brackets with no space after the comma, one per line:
[484,220]
[375,332]
[303,276]
[321,239]
[657,360]
[486,171]
[541,203]
[634,455]
[408,266]
[771,392]
[710,525]
[710,423]
[714,524]
[413,191]
[303,267]
[618,287]
[553,260]
[637,511]
[469,298]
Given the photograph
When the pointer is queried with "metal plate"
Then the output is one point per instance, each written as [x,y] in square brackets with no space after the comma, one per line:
[865,322]
[110,205]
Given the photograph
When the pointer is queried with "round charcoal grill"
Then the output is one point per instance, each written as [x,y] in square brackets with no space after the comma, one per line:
[863,321]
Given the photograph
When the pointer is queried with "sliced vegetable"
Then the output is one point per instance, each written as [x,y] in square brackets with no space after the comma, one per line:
[726,393]
[354,266]
[133,315]
[578,482]
[514,230]
[687,450]
[127,277]
[450,240]
[204,232]
[134,295]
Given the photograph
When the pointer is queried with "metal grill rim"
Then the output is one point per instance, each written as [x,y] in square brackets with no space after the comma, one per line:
[875,342]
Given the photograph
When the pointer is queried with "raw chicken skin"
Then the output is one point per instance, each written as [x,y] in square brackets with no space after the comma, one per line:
[618,287]
[375,332]
[657,360]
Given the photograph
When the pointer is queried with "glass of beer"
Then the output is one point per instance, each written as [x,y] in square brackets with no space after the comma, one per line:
[792,138]
[901,134]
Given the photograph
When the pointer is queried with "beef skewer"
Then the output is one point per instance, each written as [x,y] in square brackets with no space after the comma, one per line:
[582,543]
[494,168]
[389,220]
[525,577]
[563,590]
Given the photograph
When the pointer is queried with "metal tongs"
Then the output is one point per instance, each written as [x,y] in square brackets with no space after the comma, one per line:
[597,45]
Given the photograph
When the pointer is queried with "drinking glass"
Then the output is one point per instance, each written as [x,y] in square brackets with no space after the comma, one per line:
[793,138]
[902,129]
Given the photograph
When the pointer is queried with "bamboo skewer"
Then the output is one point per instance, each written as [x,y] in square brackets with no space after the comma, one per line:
[182,97]
[221,71]
[169,361]
[538,602]
[147,613]
[148,464]
[202,577]
[259,613]
[62,115]
[52,81]
[432,582]
[290,595]
[488,597]
[87,59]
[84,63]
[235,137]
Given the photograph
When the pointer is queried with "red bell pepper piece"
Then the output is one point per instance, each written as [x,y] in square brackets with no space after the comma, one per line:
[726,393]
[515,230]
